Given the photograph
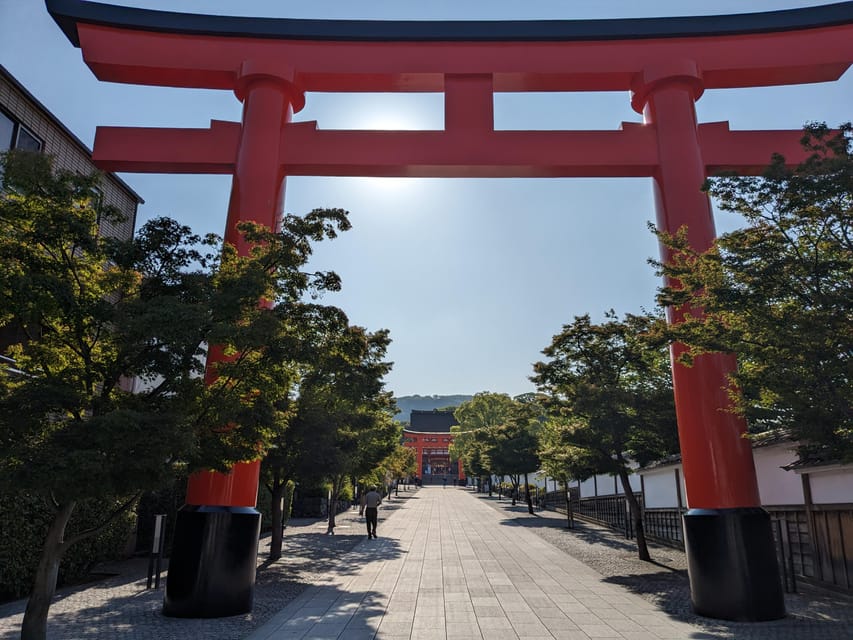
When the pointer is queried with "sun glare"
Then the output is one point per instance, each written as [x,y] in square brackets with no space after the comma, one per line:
[387,120]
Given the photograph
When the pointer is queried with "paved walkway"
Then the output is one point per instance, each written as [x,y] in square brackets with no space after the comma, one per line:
[448,566]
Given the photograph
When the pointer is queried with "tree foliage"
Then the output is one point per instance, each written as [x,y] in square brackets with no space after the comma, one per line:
[82,314]
[473,436]
[341,425]
[611,400]
[612,387]
[402,462]
[779,294]
[497,435]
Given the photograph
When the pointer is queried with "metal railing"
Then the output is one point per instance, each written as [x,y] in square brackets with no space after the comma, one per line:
[814,545]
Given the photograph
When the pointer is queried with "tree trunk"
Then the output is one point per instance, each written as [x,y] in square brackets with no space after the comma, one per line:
[636,515]
[570,516]
[527,494]
[277,516]
[333,503]
[515,482]
[34,626]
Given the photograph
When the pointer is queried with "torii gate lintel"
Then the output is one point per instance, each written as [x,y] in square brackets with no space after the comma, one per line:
[306,150]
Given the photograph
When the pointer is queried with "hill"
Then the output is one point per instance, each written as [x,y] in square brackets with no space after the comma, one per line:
[405,404]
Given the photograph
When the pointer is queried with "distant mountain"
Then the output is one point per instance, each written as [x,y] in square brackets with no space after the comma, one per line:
[405,404]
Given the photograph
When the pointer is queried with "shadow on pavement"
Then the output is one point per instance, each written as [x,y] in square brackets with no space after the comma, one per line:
[120,605]
[813,614]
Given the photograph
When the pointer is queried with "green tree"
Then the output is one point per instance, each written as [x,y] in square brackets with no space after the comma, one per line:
[473,436]
[563,460]
[514,447]
[85,313]
[309,342]
[400,463]
[343,415]
[779,294]
[497,435]
[612,390]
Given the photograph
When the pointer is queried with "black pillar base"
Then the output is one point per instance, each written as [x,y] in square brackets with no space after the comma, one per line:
[732,563]
[212,566]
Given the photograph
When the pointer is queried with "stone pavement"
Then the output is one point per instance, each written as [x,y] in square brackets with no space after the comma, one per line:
[448,566]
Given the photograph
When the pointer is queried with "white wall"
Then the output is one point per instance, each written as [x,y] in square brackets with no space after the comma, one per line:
[587,488]
[660,488]
[776,485]
[607,484]
[539,478]
[832,487]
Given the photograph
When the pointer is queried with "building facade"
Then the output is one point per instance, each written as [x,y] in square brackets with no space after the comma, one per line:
[429,435]
[25,123]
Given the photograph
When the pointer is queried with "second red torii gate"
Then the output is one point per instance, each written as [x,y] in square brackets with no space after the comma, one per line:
[665,63]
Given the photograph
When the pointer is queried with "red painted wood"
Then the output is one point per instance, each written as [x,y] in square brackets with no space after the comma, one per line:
[717,459]
[417,440]
[629,152]
[257,194]
[238,488]
[144,57]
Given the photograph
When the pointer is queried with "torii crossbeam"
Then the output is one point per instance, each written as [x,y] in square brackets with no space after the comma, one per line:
[666,64]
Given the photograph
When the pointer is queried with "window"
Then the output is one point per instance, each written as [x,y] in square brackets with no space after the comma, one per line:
[27,141]
[14,135]
[7,130]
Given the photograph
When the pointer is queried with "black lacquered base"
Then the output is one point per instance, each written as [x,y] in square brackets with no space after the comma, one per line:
[732,563]
[212,566]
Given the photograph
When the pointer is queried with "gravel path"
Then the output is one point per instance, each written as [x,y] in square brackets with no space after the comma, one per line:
[813,614]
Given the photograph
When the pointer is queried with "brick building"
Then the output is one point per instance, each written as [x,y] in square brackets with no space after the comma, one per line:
[429,435]
[25,123]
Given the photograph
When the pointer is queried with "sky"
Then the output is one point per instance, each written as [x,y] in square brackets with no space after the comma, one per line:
[472,277]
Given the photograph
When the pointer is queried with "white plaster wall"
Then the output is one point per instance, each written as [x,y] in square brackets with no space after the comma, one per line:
[539,478]
[660,489]
[775,485]
[606,484]
[832,487]
[587,488]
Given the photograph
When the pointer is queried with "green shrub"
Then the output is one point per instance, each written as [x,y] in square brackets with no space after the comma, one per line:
[23,527]
[264,506]
[288,500]
[346,492]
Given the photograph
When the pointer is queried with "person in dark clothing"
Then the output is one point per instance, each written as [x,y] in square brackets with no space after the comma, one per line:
[372,500]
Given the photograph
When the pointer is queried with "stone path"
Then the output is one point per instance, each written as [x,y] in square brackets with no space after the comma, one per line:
[447,566]
[450,565]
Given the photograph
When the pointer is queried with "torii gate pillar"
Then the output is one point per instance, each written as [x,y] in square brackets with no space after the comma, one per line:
[728,538]
[212,567]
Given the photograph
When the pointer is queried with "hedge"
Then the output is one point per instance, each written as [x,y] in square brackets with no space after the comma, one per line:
[23,527]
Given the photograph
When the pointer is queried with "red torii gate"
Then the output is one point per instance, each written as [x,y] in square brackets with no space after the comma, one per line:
[666,64]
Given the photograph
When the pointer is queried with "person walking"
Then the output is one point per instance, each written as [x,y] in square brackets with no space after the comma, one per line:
[372,500]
